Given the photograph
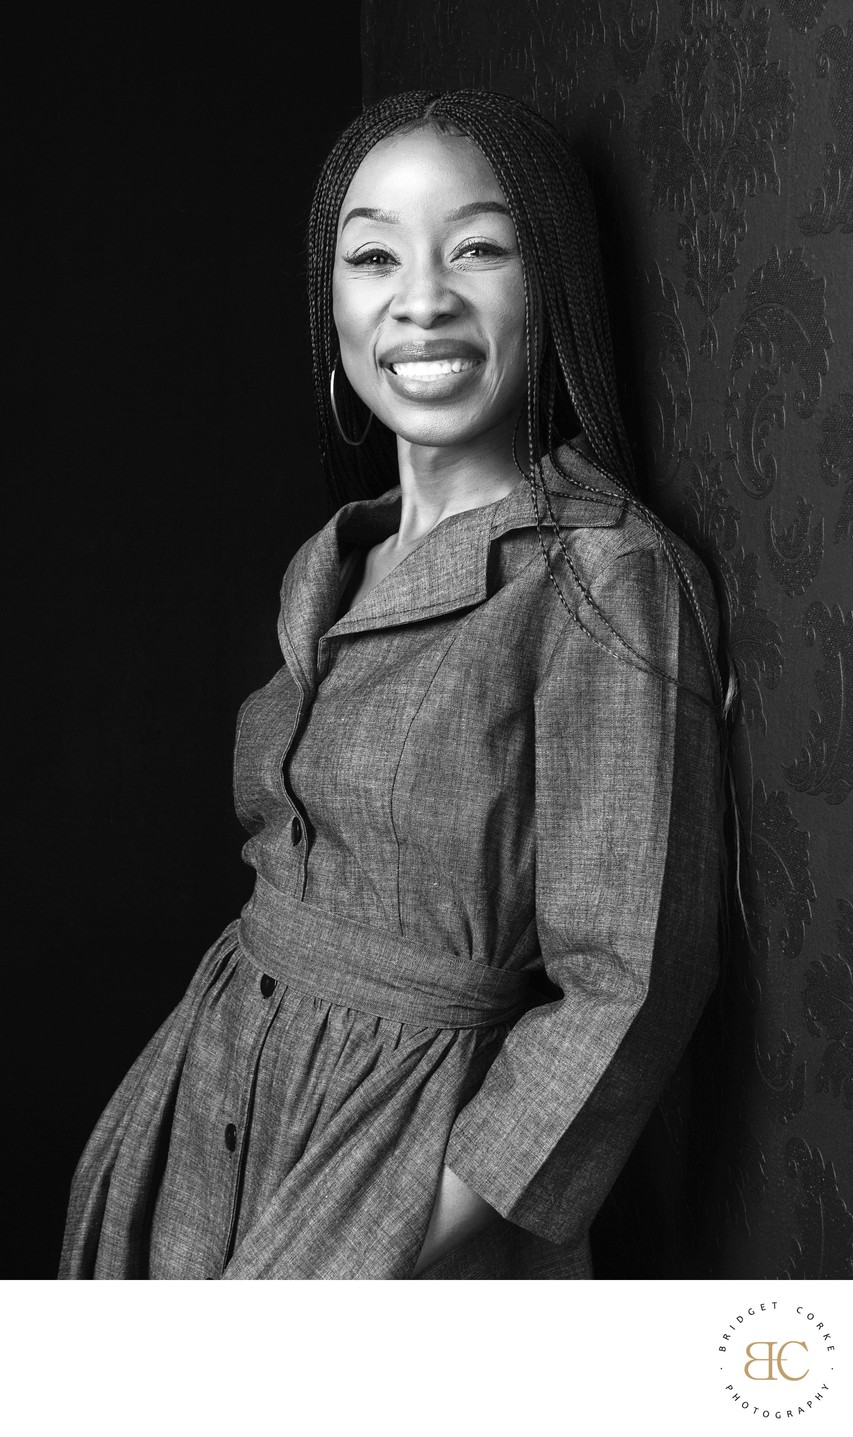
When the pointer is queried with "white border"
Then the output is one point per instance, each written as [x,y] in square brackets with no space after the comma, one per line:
[393,1358]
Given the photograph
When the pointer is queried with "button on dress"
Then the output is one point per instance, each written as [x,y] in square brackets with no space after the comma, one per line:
[484,832]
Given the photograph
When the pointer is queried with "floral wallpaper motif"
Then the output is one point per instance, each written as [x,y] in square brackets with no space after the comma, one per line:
[719,139]
[707,136]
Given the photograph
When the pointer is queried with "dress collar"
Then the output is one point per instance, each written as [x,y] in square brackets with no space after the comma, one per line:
[447,571]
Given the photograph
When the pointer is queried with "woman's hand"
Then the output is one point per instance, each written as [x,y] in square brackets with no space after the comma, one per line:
[458,1212]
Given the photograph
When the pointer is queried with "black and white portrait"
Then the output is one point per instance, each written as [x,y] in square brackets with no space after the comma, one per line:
[431,783]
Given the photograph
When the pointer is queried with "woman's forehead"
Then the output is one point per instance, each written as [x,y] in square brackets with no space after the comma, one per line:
[421,167]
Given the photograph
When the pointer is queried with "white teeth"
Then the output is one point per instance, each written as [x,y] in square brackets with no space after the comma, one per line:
[433,368]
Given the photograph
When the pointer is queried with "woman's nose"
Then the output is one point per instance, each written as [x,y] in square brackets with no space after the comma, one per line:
[424,296]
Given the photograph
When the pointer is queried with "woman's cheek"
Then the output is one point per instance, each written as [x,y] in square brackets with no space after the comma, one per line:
[355,338]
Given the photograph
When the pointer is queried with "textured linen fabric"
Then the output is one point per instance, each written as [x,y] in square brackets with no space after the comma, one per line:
[484,922]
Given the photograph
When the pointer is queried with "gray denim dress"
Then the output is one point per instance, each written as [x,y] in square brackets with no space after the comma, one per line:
[485,835]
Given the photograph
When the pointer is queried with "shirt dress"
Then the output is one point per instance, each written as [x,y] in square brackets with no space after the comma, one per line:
[484,827]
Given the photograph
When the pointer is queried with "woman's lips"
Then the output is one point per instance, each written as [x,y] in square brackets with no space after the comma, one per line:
[432,378]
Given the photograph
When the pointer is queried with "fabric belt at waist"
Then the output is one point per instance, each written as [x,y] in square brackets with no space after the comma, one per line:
[374,971]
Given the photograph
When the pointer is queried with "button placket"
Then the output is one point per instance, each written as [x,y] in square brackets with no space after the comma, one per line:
[297,827]
[236,1134]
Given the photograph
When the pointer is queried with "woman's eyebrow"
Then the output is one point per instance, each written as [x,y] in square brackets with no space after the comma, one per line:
[479,207]
[389,217]
[383,217]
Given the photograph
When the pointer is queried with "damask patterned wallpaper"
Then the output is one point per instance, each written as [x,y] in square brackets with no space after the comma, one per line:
[719,138]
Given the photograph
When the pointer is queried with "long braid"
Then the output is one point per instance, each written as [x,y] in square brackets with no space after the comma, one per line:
[551,206]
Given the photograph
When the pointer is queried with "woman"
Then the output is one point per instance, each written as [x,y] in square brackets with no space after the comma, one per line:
[483,790]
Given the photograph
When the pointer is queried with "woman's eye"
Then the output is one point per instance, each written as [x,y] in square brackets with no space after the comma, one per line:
[370,259]
[480,249]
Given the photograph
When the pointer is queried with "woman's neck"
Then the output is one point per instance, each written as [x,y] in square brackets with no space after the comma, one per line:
[440,481]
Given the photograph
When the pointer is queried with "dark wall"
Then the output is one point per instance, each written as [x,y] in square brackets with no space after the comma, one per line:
[166,472]
[719,137]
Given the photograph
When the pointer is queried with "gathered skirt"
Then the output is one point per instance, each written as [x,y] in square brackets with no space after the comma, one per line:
[269,1131]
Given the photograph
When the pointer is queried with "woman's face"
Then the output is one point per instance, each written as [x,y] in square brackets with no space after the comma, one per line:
[428,291]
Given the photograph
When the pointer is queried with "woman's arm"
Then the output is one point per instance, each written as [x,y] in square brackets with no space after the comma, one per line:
[458,1213]
[627,802]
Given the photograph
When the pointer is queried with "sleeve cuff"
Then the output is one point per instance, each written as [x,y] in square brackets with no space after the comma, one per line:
[508,1193]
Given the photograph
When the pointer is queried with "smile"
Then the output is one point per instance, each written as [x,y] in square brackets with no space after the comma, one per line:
[432,369]
[441,380]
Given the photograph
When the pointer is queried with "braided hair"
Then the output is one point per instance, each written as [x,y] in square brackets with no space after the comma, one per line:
[571,374]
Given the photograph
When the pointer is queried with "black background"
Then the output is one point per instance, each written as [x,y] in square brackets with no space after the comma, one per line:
[167,470]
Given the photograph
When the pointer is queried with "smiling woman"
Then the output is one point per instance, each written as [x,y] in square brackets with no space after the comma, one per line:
[428,293]
[482,793]
[429,309]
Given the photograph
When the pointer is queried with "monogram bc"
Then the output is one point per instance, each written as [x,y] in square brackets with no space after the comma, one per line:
[773,1360]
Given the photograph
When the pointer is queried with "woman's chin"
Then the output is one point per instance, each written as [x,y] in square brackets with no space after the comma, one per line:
[430,434]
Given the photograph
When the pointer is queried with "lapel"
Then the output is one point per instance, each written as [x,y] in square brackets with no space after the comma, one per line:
[446,572]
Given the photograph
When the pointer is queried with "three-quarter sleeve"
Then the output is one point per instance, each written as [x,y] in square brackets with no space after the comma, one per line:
[627,795]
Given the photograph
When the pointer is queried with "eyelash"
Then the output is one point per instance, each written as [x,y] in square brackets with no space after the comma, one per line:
[362,258]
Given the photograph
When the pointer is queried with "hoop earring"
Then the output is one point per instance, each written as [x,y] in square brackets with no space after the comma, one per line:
[353,443]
